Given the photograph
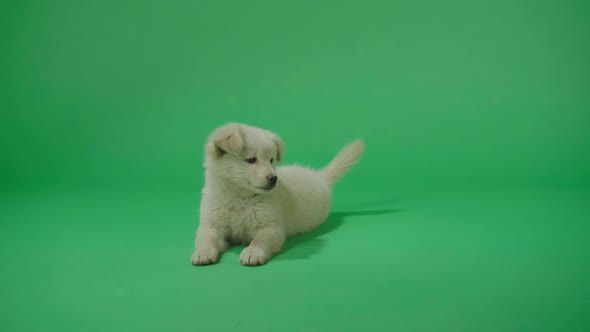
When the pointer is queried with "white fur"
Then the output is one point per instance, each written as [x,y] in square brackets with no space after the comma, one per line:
[235,207]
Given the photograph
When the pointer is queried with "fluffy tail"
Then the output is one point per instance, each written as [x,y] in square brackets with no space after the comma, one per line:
[348,156]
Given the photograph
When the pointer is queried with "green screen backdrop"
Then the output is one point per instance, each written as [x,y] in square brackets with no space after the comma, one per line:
[469,211]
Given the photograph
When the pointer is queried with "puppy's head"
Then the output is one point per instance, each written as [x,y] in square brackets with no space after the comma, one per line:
[245,156]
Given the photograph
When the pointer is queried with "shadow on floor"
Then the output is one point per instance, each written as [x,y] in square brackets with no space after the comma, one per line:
[305,245]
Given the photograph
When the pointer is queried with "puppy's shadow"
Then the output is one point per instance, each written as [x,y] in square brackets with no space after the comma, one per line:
[306,245]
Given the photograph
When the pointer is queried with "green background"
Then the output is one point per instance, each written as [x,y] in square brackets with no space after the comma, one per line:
[468,212]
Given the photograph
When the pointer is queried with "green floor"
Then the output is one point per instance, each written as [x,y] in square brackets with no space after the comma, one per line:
[510,260]
[469,211]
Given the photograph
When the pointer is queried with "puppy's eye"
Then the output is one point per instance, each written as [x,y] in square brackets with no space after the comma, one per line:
[272,160]
[251,160]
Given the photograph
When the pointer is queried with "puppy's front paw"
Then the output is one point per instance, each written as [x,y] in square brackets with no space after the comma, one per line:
[253,256]
[205,256]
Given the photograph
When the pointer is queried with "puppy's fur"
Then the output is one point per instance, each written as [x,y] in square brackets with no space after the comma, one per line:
[240,203]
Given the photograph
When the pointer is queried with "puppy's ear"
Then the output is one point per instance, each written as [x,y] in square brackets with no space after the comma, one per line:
[280,146]
[226,139]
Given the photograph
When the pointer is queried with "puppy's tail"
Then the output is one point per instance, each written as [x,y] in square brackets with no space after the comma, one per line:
[344,160]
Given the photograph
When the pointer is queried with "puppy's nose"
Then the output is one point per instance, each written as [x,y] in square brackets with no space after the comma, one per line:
[272,179]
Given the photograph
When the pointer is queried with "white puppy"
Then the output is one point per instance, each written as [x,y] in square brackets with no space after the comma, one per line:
[246,200]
